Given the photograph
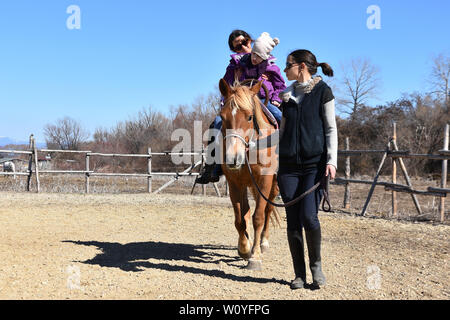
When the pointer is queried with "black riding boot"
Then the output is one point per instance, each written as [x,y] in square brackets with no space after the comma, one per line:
[209,174]
[296,246]
[313,239]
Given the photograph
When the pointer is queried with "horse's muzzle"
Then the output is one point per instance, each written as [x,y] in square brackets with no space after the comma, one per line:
[235,162]
[234,167]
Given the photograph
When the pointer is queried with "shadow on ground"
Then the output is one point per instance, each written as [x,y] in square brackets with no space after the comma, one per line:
[133,257]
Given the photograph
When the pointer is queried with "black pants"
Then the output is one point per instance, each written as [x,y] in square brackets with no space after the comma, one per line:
[294,181]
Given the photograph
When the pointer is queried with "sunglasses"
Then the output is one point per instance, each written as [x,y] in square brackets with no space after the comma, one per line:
[290,65]
[239,46]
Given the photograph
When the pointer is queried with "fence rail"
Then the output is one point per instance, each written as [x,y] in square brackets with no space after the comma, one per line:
[391,151]
[89,173]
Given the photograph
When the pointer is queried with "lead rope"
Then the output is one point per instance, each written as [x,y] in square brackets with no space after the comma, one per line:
[323,182]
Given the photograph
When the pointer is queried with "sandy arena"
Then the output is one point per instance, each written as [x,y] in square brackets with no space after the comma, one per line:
[141,246]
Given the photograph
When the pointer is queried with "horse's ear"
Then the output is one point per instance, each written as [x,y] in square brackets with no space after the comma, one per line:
[225,89]
[255,89]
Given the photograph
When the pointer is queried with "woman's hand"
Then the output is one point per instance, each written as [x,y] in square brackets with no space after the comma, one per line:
[330,171]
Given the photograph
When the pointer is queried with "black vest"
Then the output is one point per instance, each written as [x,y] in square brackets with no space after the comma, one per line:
[303,141]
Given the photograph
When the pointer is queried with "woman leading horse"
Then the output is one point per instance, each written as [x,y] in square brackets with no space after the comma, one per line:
[307,152]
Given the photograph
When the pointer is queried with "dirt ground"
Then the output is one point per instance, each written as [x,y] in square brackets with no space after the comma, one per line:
[144,246]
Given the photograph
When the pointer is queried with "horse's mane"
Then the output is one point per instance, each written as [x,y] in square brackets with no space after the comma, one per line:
[243,98]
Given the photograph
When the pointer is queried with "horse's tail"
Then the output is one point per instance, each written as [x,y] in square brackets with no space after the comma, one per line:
[275,218]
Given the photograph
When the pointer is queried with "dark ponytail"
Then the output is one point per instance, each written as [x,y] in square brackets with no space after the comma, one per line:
[326,69]
[309,59]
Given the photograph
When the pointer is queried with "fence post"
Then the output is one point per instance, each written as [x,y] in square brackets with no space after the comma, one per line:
[30,163]
[149,169]
[394,172]
[375,179]
[203,164]
[444,174]
[87,173]
[347,176]
[408,180]
[36,163]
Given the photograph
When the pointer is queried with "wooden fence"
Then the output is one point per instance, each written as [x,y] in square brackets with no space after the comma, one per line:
[397,156]
[33,159]
[391,151]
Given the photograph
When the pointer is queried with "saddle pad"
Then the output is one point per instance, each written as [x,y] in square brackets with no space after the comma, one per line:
[269,115]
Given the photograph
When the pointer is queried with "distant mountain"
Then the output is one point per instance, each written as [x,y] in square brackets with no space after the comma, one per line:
[4,141]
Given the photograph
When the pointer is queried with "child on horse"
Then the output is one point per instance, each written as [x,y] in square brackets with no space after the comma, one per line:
[258,65]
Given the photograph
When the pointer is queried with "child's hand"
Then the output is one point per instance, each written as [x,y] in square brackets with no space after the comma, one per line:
[275,103]
[265,77]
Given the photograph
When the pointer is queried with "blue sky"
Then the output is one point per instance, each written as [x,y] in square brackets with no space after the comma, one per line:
[133,54]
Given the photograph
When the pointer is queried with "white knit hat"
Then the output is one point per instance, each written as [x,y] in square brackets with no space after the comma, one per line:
[264,45]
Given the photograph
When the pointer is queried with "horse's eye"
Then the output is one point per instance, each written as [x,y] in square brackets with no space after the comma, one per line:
[250,118]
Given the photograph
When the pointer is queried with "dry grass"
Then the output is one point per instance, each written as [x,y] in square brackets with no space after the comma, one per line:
[380,205]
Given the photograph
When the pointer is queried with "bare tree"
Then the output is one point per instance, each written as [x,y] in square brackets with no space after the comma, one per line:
[147,128]
[101,135]
[65,134]
[440,74]
[359,82]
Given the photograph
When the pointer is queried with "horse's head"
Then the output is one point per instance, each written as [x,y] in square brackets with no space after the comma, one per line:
[241,119]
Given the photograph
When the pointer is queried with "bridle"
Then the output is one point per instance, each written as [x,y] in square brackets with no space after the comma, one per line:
[249,144]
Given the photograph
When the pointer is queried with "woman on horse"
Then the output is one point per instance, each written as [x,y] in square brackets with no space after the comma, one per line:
[259,64]
[240,42]
[307,153]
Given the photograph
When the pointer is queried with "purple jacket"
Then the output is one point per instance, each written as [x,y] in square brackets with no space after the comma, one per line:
[274,85]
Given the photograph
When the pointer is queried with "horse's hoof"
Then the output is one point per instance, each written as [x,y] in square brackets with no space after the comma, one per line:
[255,265]
[265,246]
[245,256]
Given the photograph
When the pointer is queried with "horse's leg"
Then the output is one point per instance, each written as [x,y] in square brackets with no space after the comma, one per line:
[268,212]
[255,262]
[265,232]
[238,196]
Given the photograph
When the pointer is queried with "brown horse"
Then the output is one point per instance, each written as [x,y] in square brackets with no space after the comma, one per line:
[244,122]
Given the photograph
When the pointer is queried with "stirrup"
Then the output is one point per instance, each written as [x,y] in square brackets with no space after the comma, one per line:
[206,179]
